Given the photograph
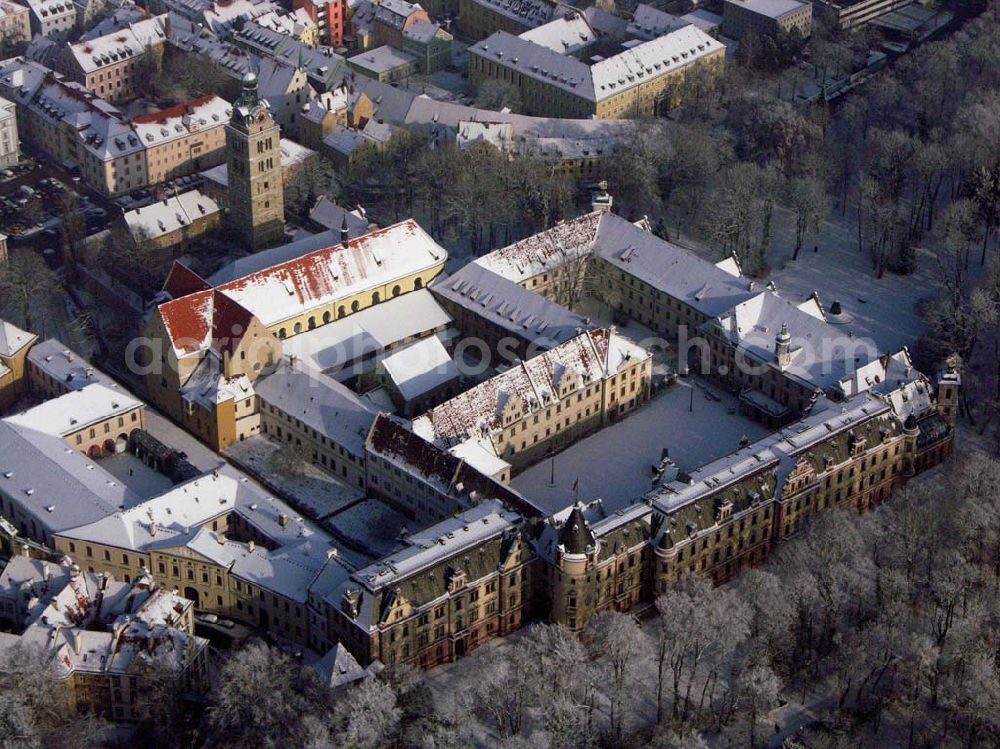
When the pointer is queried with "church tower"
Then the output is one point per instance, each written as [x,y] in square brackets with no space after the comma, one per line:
[253,153]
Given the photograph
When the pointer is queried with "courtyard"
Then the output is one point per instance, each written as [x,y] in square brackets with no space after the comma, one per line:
[695,422]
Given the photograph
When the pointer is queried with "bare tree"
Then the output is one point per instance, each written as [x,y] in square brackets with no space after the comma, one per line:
[617,644]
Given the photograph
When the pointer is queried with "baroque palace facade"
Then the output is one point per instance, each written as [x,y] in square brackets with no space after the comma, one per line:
[486,559]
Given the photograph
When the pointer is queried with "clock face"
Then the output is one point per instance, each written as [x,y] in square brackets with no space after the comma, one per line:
[261,117]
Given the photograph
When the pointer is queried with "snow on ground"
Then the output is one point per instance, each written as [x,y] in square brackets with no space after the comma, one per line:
[615,463]
[313,491]
[884,309]
[371,526]
[136,475]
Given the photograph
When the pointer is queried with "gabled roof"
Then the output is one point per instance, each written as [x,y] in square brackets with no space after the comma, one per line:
[230,321]
[13,339]
[182,281]
[188,321]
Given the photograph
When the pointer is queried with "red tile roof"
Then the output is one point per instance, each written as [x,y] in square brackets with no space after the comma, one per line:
[182,281]
[230,321]
[178,110]
[188,320]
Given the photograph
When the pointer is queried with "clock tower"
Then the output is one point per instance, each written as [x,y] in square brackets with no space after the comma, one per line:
[253,154]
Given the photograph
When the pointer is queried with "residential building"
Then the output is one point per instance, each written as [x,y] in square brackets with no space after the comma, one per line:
[256,208]
[54,19]
[640,80]
[298,24]
[391,20]
[10,143]
[344,107]
[114,644]
[286,89]
[429,44]
[184,139]
[174,221]
[108,65]
[766,17]
[15,25]
[330,17]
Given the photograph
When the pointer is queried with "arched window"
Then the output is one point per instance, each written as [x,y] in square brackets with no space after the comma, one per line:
[354,306]
[341,311]
[326,317]
[298,327]
[281,333]
[376,298]
[418,283]
[396,290]
[312,323]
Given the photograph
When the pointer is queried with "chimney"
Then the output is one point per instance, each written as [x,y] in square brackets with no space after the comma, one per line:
[251,546]
[343,230]
[283,520]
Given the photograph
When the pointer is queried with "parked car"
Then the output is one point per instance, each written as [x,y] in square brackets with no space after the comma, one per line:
[208,618]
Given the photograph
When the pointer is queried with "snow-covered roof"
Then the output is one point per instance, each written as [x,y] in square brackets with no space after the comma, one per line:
[47,9]
[480,455]
[109,50]
[508,305]
[368,332]
[703,19]
[319,402]
[77,409]
[822,354]
[769,8]
[318,108]
[381,59]
[649,22]
[328,214]
[323,277]
[13,339]
[208,385]
[527,13]
[545,251]
[170,214]
[565,34]
[631,67]
[438,542]
[178,122]
[53,358]
[420,368]
[532,385]
[667,267]
[56,485]
[498,134]
[338,667]
[121,18]
[423,32]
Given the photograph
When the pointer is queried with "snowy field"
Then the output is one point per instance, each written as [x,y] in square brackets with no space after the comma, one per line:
[371,526]
[136,475]
[615,463]
[313,491]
